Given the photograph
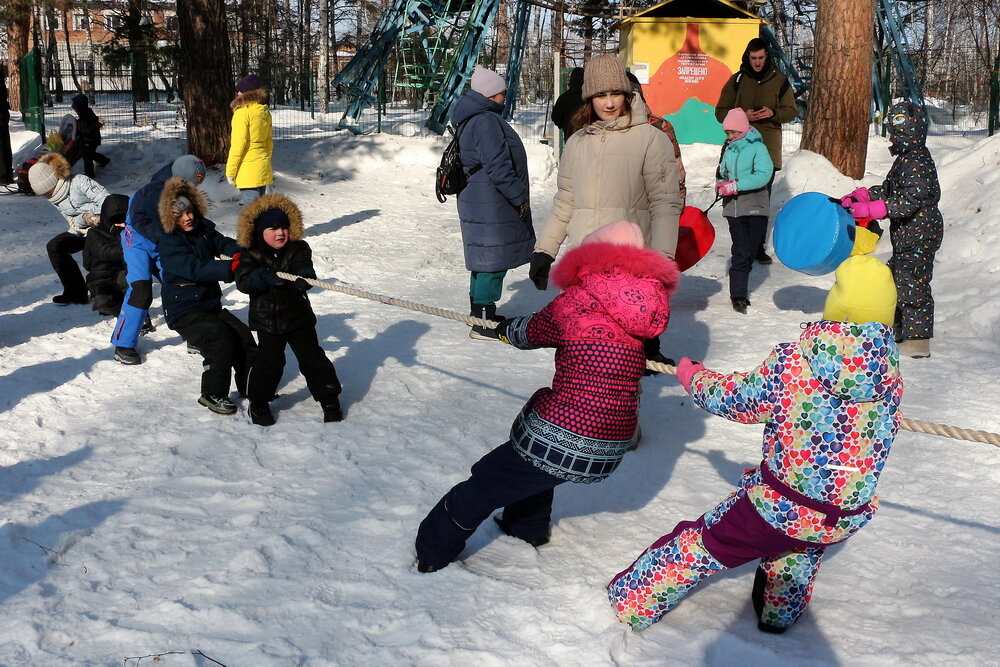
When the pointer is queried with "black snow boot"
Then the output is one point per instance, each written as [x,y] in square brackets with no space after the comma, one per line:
[260,413]
[487,313]
[332,411]
[757,597]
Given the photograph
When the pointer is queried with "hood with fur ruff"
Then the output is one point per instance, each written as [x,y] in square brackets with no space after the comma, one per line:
[602,257]
[60,166]
[258,96]
[172,189]
[246,225]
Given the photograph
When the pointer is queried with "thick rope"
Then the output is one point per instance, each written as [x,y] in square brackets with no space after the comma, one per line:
[909,424]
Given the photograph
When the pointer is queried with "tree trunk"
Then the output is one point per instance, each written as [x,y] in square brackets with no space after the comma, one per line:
[207,72]
[840,92]
[17,47]
[139,48]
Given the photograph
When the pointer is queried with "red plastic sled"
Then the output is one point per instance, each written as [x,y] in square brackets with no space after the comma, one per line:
[695,237]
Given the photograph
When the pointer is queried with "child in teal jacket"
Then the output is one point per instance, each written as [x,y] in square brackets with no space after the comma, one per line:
[745,173]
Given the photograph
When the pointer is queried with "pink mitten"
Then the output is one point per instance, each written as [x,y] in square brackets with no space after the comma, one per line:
[726,188]
[686,370]
[858,195]
[869,209]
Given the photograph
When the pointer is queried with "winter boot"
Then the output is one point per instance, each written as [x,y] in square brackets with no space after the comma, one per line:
[763,258]
[918,348]
[740,304]
[332,411]
[537,542]
[147,326]
[757,597]
[487,313]
[424,567]
[127,356]
[66,299]
[218,404]
[260,413]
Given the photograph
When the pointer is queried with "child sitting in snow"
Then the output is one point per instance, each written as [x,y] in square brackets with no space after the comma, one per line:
[909,198]
[616,295]
[830,406]
[270,230]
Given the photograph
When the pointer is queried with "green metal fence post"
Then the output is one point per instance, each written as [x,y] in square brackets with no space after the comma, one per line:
[32,92]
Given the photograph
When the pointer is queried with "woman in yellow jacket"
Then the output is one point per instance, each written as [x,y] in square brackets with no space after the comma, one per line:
[250,145]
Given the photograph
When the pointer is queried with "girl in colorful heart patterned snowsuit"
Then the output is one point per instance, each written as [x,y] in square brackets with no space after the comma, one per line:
[830,405]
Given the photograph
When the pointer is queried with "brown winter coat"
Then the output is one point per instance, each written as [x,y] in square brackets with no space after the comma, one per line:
[624,170]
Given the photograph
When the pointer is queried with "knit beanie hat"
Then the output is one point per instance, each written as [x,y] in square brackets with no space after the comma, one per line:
[190,168]
[602,74]
[42,178]
[622,232]
[248,83]
[737,120]
[487,82]
[272,218]
[863,292]
[181,204]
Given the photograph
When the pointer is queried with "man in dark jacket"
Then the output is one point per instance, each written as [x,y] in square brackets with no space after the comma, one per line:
[765,94]
[568,103]
[192,299]
[88,135]
[494,206]
[139,244]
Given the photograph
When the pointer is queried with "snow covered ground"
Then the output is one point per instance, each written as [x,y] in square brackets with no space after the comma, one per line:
[136,523]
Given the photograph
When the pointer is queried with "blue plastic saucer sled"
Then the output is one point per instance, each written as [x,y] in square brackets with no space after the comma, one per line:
[813,233]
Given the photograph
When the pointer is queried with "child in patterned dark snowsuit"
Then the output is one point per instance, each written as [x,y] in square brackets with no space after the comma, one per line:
[830,405]
[909,198]
[616,295]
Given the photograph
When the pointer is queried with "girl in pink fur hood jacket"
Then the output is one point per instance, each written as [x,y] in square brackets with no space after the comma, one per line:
[615,296]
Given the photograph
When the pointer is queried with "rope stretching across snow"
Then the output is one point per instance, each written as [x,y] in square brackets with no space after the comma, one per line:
[908,424]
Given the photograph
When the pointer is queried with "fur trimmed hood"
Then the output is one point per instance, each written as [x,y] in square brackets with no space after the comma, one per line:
[258,96]
[172,189]
[599,257]
[59,164]
[247,223]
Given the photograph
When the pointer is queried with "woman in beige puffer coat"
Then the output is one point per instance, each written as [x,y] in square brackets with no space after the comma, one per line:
[617,167]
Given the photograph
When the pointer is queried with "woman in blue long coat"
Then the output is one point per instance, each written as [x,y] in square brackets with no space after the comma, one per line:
[494,207]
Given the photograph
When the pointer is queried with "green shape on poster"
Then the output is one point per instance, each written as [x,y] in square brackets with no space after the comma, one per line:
[695,123]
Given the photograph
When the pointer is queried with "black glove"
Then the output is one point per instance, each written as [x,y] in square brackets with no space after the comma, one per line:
[270,278]
[538,270]
[302,284]
[524,210]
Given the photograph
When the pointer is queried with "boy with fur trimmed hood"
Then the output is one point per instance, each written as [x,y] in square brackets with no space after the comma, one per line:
[270,230]
[192,299]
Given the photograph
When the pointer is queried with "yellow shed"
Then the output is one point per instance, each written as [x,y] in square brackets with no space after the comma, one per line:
[683,52]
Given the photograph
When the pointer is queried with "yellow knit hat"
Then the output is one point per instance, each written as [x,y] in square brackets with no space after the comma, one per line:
[863,292]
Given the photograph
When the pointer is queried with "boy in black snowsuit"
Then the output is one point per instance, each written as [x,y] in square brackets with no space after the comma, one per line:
[88,135]
[270,231]
[909,198]
[103,259]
